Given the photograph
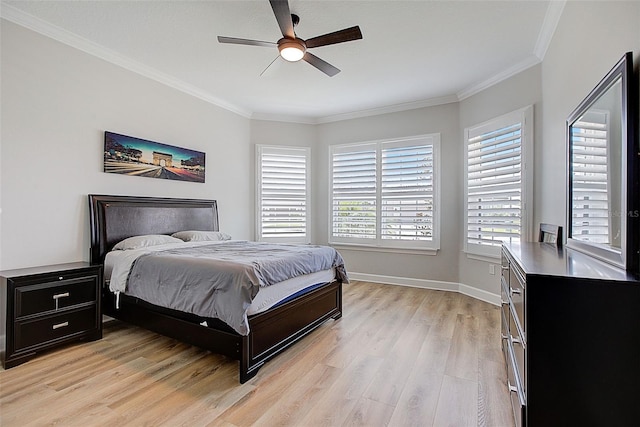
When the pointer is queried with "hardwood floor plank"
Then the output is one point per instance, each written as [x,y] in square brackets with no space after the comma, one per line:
[293,405]
[419,400]
[462,360]
[334,406]
[444,314]
[492,391]
[398,356]
[488,341]
[431,303]
[389,381]
[84,400]
[433,353]
[369,413]
[394,319]
[457,404]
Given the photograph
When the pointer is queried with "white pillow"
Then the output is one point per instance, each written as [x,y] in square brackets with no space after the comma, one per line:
[201,236]
[137,242]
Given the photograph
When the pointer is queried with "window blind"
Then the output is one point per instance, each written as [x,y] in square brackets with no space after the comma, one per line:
[590,198]
[384,193]
[283,193]
[354,191]
[407,192]
[494,185]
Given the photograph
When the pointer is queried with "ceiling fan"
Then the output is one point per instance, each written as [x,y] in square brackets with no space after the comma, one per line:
[293,48]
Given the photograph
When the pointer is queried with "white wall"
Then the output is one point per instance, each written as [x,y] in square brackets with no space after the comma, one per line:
[441,119]
[590,38]
[56,103]
[290,134]
[517,92]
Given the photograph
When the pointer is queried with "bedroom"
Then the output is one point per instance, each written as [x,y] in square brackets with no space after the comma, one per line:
[57,101]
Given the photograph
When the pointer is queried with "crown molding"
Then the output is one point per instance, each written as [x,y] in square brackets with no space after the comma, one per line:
[61,35]
[528,62]
[549,25]
[284,118]
[356,114]
[431,102]
[38,25]
[10,13]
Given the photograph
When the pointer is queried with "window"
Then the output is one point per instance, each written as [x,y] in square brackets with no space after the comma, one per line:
[590,177]
[497,178]
[283,195]
[385,193]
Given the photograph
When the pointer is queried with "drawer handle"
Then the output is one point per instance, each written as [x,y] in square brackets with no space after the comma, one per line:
[56,297]
[60,325]
[516,340]
[505,267]
[512,388]
[515,291]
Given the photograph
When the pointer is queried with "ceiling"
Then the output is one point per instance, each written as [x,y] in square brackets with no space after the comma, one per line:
[413,53]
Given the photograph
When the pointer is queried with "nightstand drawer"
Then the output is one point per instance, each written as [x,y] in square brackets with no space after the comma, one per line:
[52,296]
[43,330]
[46,306]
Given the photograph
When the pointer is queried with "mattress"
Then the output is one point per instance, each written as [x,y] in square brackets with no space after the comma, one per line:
[267,297]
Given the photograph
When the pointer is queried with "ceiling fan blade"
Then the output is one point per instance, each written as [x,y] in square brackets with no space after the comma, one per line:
[346,35]
[283,16]
[248,42]
[321,64]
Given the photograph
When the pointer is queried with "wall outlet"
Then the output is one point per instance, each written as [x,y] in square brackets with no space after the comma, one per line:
[492,269]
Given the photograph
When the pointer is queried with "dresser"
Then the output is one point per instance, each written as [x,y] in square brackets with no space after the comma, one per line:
[45,307]
[571,338]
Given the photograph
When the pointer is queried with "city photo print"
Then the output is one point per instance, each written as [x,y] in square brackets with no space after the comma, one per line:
[127,155]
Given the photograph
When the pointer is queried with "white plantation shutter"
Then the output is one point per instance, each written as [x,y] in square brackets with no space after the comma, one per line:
[283,194]
[354,189]
[590,220]
[384,193]
[407,191]
[495,184]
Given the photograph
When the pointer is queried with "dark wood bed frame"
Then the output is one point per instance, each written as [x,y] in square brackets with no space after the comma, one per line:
[114,218]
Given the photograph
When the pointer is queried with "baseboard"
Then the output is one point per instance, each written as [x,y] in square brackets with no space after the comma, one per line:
[480,294]
[429,284]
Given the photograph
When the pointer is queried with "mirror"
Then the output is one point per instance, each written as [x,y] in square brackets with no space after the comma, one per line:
[602,171]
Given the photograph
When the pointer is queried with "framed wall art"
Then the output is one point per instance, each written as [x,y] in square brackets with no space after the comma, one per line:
[127,155]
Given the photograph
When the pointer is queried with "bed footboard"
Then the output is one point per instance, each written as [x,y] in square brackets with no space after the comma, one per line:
[272,332]
[275,330]
[114,218]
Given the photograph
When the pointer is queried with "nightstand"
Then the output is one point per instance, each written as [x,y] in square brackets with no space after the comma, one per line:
[45,307]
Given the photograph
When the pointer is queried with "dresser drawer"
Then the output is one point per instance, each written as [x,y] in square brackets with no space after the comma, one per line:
[504,268]
[504,337]
[44,330]
[518,402]
[517,293]
[518,349]
[504,305]
[52,296]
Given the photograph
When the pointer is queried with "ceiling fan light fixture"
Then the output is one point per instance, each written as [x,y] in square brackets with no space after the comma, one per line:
[292,50]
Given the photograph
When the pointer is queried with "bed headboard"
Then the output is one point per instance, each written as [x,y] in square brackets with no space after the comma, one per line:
[114,218]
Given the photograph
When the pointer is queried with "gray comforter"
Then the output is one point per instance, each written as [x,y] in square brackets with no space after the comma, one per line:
[220,280]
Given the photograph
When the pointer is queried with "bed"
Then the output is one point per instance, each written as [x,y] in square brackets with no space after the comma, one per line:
[116,218]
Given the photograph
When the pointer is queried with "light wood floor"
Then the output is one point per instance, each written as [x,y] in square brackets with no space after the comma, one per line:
[398,357]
